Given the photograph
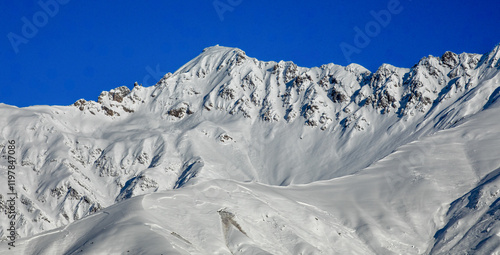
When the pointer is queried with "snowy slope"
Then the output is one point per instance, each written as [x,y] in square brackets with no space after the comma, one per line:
[228,141]
[395,206]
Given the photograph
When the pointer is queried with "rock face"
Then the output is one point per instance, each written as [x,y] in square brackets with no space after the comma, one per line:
[225,115]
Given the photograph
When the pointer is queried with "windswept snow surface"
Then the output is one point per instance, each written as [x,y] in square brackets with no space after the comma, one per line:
[231,155]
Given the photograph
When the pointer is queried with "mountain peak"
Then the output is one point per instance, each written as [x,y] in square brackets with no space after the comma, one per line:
[226,116]
[214,58]
[217,48]
[221,51]
[493,57]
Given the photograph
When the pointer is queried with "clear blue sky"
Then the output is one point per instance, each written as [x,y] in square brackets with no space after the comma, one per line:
[81,48]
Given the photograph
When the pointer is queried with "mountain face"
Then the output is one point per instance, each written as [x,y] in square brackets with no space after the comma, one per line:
[232,155]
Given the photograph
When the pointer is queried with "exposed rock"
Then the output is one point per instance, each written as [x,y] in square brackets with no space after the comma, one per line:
[449,59]
[227,93]
[80,104]
[337,96]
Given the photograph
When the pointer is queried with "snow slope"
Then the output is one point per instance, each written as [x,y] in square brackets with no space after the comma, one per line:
[395,206]
[233,155]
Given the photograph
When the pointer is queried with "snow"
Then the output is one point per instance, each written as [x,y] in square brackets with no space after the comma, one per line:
[231,155]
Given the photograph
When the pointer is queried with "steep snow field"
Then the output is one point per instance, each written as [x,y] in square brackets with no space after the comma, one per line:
[231,155]
[395,206]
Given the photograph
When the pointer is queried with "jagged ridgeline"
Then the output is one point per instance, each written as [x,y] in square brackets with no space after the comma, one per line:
[226,79]
[225,115]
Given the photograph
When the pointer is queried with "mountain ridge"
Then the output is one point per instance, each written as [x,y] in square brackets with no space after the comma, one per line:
[224,115]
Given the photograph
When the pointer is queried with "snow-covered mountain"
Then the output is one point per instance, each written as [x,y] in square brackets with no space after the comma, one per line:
[232,155]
